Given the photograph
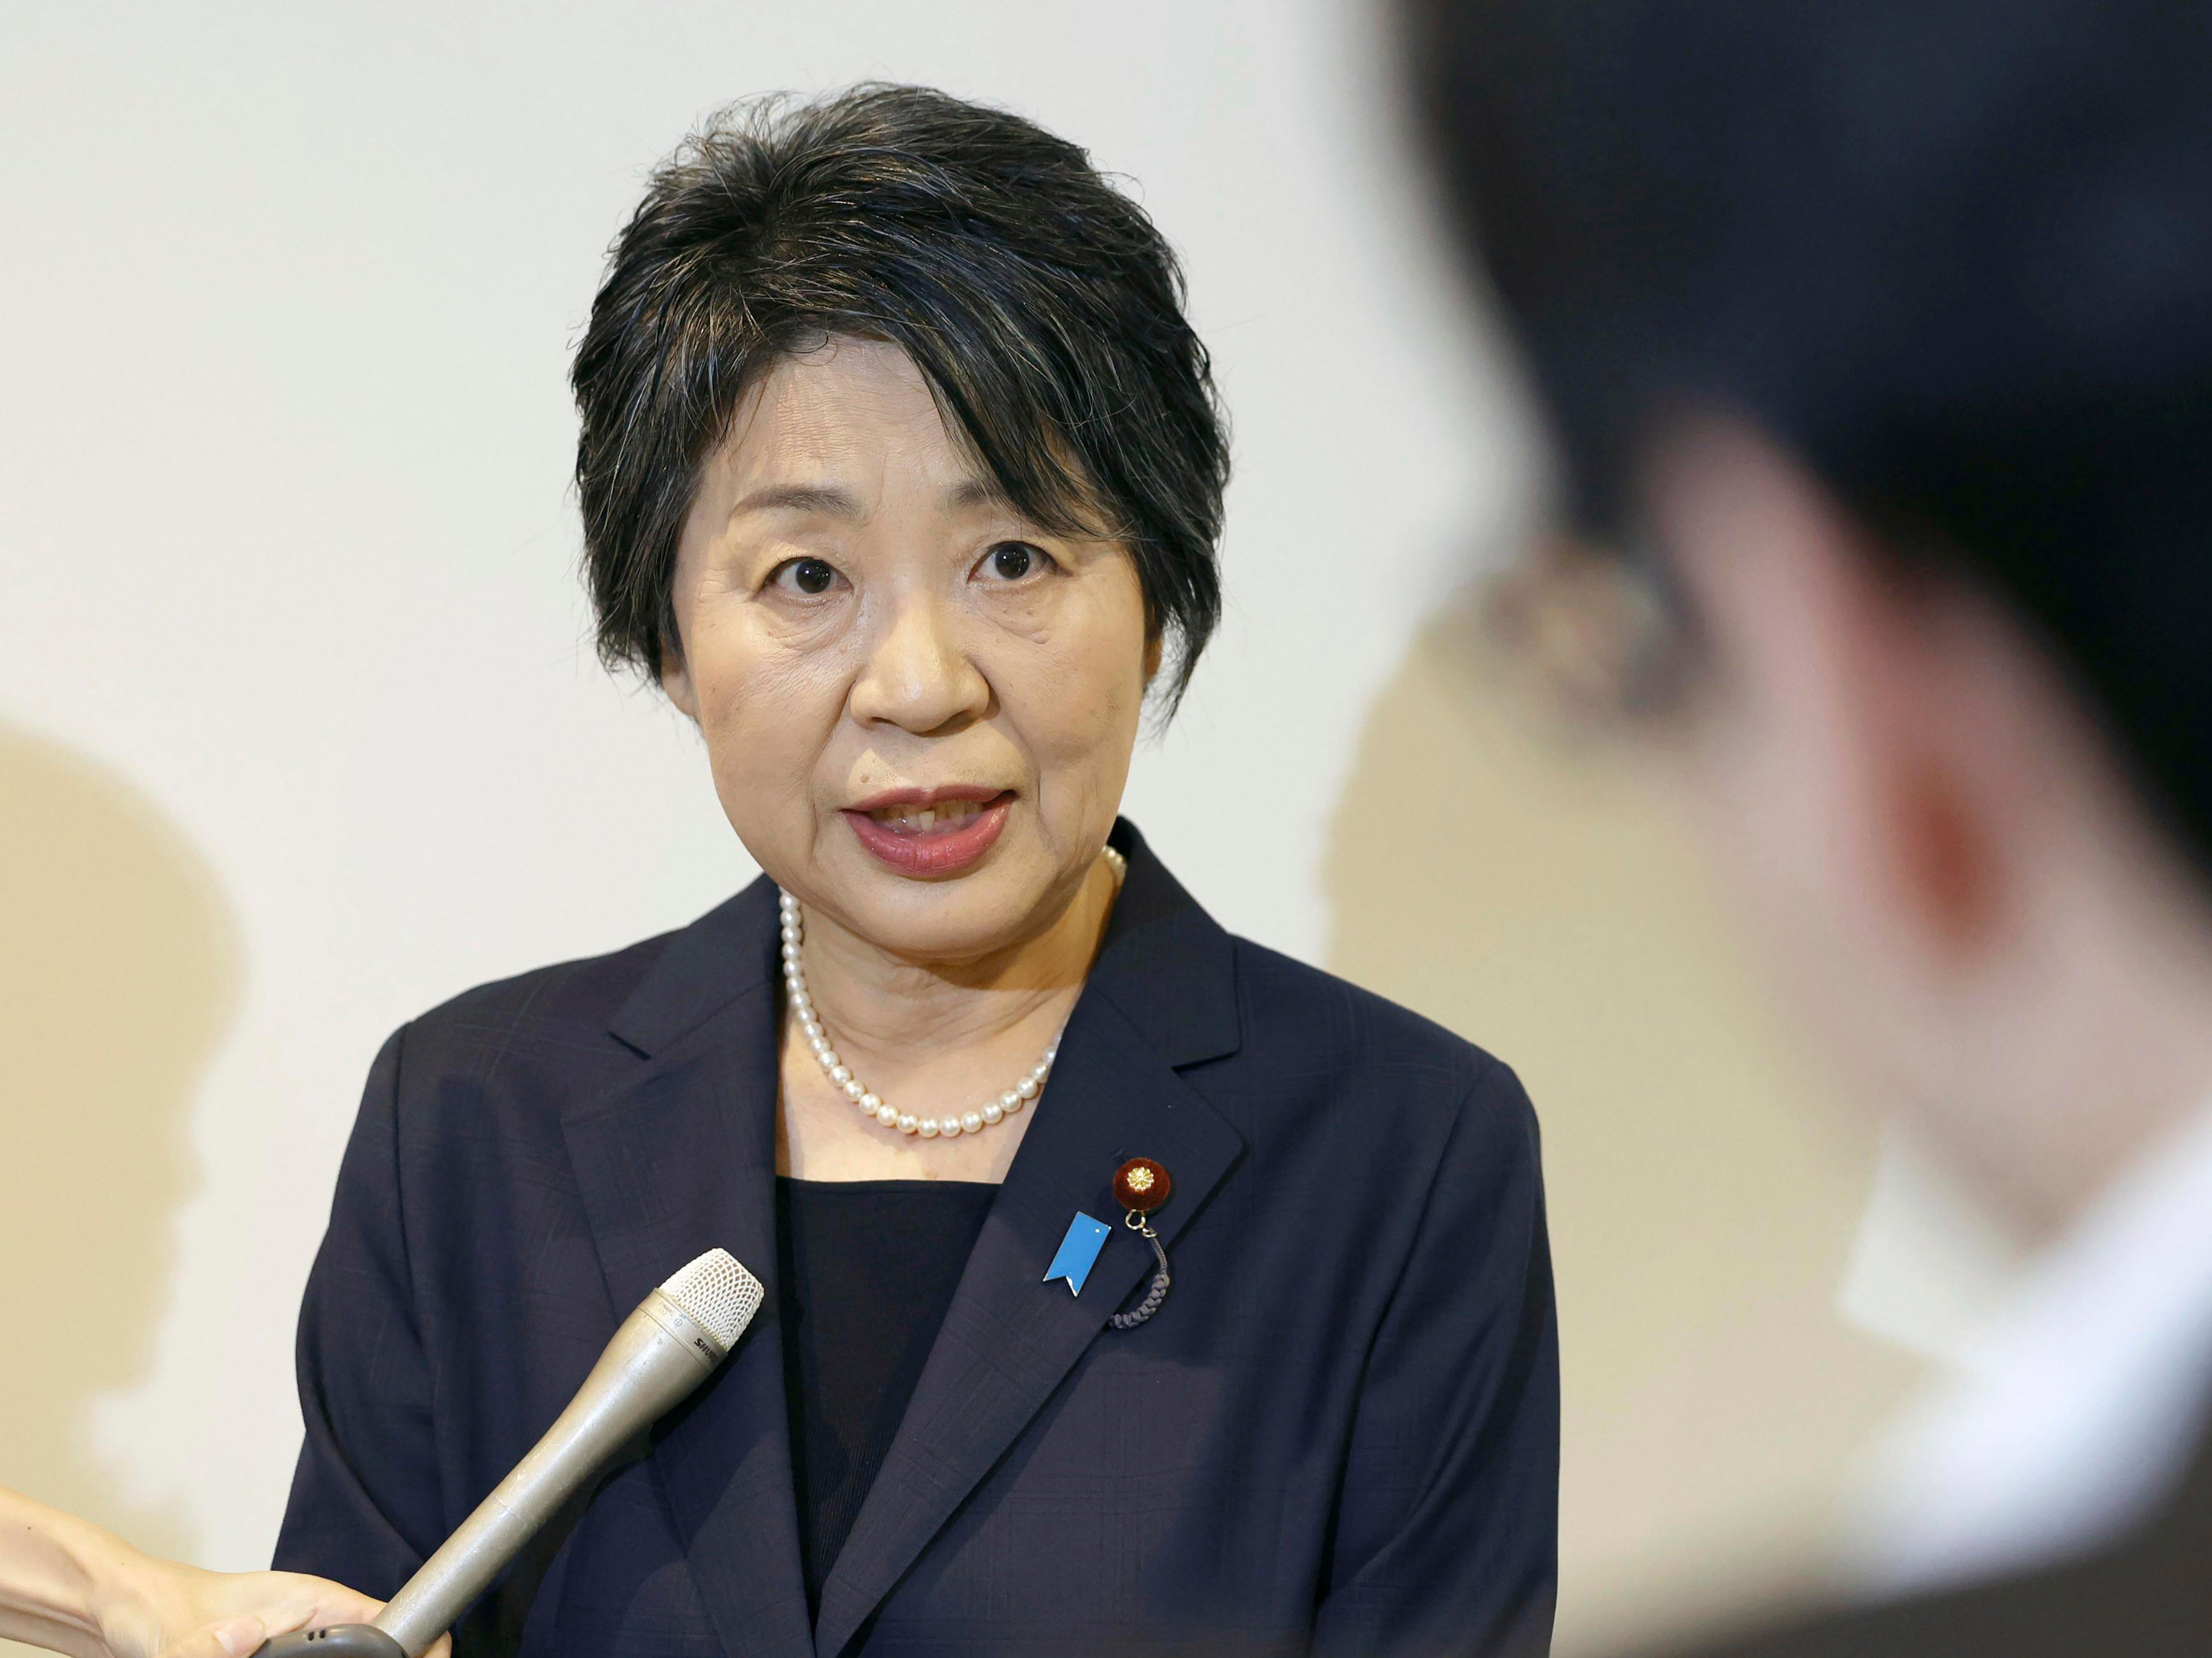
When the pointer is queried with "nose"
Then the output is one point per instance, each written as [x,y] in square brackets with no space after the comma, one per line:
[918,677]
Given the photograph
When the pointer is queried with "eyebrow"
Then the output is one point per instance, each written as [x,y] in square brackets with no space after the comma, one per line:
[833,501]
[825,498]
[975,492]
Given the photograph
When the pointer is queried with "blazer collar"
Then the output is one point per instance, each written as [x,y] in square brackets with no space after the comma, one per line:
[679,1160]
[1162,994]
[1166,963]
[725,956]
[682,1158]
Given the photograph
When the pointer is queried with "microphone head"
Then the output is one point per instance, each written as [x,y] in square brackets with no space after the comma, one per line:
[718,1293]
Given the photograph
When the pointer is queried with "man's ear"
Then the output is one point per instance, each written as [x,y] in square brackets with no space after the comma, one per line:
[1155,653]
[1861,664]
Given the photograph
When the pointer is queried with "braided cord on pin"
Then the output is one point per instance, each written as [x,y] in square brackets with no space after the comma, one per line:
[1160,1283]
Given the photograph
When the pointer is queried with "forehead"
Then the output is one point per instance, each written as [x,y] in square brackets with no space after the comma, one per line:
[857,412]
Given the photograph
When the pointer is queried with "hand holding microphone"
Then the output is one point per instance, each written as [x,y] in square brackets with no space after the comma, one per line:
[73,1587]
[663,1350]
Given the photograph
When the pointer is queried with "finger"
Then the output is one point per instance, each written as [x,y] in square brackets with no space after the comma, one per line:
[288,1602]
[336,1604]
[233,1637]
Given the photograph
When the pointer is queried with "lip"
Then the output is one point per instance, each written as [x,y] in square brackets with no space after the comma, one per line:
[910,796]
[933,852]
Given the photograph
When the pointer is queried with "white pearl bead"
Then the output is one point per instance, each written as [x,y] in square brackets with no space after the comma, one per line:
[801,1004]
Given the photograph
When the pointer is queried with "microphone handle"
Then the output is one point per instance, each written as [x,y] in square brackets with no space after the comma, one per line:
[658,1357]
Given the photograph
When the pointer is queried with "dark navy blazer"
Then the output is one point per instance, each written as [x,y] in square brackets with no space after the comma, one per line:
[1339,1435]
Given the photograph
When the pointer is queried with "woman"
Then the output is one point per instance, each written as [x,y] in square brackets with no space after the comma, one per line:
[901,472]
[68,1586]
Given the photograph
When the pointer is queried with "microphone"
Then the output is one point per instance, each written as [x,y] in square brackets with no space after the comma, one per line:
[663,1350]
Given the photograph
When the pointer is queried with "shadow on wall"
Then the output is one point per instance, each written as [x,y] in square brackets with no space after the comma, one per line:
[1703,1190]
[118,971]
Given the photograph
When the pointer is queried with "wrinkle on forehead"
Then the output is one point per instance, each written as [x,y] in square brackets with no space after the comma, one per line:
[814,400]
[837,428]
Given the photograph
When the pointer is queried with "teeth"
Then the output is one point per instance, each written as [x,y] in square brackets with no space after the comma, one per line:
[914,820]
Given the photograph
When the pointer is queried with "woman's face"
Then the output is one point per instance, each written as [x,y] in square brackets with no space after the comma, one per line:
[918,707]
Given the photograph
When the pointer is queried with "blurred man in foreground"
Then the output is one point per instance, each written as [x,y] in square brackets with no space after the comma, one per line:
[1878,338]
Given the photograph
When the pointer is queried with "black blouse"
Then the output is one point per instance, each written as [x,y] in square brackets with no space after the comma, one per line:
[865,1272]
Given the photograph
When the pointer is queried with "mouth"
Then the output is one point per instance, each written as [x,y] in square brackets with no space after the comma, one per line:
[921,833]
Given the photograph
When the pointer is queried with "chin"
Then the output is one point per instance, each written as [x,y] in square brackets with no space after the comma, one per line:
[949,917]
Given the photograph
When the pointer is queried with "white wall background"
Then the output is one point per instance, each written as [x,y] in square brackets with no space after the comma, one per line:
[286,540]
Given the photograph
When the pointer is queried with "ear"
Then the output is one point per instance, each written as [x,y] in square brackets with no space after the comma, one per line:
[1155,653]
[1945,846]
[1850,705]
[676,682]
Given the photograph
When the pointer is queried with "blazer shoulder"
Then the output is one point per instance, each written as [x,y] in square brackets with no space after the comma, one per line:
[538,1035]
[586,992]
[1313,1018]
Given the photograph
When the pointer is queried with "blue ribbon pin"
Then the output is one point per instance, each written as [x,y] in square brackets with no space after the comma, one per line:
[1079,1252]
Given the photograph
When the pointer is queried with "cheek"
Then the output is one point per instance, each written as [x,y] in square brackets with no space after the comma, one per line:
[1073,695]
[768,713]
[1078,696]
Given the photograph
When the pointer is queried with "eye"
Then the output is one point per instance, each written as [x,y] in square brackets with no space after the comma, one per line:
[1012,561]
[809,576]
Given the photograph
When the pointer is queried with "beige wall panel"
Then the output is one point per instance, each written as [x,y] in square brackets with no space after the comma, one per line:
[117,974]
[1703,1191]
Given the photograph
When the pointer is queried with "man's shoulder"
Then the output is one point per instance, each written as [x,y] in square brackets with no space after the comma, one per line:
[2147,1596]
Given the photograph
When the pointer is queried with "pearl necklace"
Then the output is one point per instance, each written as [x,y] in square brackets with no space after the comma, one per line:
[988,1114]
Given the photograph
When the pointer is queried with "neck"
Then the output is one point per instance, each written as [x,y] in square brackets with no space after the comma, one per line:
[893,1012]
[2104,1042]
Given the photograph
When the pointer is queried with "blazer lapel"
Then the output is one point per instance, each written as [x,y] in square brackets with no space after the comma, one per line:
[679,1160]
[1161,994]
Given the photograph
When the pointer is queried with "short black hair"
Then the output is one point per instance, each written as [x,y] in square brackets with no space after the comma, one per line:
[1040,303]
[1956,253]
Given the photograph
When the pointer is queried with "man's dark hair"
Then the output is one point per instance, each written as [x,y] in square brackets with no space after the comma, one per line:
[1956,253]
[1039,302]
